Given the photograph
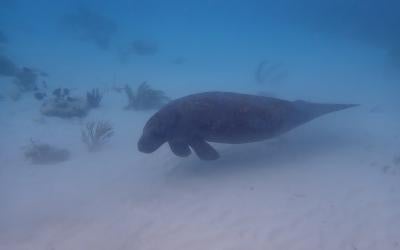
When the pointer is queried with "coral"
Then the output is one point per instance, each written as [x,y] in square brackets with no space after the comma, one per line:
[40,153]
[93,98]
[64,108]
[145,97]
[271,73]
[63,105]
[62,93]
[96,134]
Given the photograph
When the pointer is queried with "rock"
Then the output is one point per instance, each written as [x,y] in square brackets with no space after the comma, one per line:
[65,108]
[39,153]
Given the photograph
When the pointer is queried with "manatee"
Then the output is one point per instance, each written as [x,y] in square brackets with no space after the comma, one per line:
[190,122]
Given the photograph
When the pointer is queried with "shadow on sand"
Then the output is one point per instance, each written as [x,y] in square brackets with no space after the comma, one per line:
[294,148]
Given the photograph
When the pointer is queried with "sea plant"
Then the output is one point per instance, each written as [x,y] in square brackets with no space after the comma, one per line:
[62,93]
[96,134]
[42,153]
[61,104]
[145,97]
[93,98]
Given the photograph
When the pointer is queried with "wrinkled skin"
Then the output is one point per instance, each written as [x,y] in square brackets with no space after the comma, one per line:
[190,122]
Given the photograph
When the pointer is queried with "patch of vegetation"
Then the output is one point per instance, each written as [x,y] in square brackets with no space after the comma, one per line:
[63,105]
[145,97]
[96,134]
[93,98]
[41,153]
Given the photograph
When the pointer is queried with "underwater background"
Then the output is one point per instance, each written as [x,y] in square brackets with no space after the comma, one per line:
[68,68]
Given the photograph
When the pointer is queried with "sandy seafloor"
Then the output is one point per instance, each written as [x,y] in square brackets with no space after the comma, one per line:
[333,183]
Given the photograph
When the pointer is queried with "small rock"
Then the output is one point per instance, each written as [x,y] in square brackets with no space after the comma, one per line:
[65,108]
[39,153]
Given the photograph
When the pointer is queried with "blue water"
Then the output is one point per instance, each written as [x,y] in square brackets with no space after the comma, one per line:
[222,43]
[324,51]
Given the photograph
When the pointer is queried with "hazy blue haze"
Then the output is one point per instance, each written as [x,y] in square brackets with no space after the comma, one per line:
[326,44]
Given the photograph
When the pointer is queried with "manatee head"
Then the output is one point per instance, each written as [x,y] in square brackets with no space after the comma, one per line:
[157,131]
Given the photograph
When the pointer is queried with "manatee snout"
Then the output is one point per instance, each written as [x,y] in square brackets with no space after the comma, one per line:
[149,144]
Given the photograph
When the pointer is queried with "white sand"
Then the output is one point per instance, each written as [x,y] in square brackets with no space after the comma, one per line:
[321,186]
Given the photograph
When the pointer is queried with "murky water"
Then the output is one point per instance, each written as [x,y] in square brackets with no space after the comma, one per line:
[80,79]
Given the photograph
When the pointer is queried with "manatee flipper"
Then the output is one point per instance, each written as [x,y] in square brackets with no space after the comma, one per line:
[204,150]
[179,148]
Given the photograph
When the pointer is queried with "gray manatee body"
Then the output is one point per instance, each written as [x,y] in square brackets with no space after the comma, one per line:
[188,123]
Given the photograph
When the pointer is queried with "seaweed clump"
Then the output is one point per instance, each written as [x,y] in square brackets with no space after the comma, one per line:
[145,97]
[93,98]
[41,153]
[63,105]
[96,134]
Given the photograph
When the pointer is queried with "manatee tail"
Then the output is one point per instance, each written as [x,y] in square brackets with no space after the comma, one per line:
[313,110]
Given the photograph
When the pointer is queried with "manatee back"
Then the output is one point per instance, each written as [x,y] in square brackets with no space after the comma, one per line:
[232,118]
[239,118]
